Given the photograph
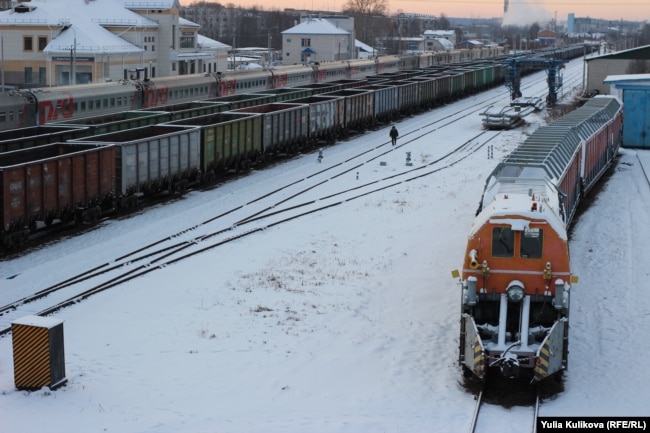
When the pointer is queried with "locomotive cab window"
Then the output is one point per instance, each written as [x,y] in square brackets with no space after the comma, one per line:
[503,242]
[532,241]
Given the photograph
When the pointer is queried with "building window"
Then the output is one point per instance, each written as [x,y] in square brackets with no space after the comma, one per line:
[42,43]
[28,43]
[28,75]
[173,66]
[305,42]
[187,40]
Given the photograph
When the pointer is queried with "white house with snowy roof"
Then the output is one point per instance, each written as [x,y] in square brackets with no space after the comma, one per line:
[316,40]
[59,42]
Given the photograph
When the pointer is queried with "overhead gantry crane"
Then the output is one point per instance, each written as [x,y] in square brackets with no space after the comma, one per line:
[553,72]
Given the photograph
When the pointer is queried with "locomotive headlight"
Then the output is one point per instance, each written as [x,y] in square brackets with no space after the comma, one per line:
[515,291]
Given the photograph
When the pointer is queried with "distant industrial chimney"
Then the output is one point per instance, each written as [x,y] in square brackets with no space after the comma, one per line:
[505,6]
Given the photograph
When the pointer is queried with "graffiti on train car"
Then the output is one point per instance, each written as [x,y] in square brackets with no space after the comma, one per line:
[156,96]
[227,87]
[280,80]
[51,111]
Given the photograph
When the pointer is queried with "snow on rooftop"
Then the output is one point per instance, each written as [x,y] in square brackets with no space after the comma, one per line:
[203,42]
[363,47]
[628,78]
[152,4]
[316,26]
[82,22]
[38,321]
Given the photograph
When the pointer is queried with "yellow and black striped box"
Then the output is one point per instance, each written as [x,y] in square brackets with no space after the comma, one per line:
[38,352]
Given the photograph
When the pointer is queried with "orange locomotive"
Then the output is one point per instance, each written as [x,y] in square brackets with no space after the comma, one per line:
[516,276]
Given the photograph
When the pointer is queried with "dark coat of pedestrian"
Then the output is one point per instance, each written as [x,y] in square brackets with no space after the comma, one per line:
[393,135]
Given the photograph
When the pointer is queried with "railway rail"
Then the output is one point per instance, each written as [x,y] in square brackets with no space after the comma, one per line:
[477,427]
[643,169]
[268,210]
[121,196]
[172,249]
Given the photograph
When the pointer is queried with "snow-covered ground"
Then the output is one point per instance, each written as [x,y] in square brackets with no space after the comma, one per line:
[343,320]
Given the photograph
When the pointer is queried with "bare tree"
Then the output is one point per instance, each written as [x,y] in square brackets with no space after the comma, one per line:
[368,7]
[644,36]
[443,22]
[638,66]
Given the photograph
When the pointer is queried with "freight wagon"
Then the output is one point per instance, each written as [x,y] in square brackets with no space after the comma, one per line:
[168,148]
[326,117]
[228,141]
[151,159]
[16,139]
[56,181]
[358,108]
[285,127]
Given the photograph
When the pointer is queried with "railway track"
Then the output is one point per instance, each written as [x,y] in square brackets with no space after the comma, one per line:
[172,249]
[643,169]
[273,208]
[484,422]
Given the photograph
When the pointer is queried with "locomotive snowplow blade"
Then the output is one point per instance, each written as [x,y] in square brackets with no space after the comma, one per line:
[474,357]
[550,354]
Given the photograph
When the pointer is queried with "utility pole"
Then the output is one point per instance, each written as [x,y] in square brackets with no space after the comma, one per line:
[74,59]
[233,52]
[2,56]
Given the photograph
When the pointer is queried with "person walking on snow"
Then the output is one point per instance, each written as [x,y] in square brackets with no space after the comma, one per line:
[393,135]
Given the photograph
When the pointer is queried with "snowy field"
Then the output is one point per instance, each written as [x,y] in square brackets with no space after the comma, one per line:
[344,320]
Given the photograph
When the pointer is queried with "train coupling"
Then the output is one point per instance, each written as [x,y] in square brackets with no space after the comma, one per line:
[508,363]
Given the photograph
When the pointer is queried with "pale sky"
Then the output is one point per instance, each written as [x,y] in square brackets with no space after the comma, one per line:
[636,10]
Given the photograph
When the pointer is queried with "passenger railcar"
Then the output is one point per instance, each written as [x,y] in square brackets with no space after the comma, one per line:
[230,140]
[34,107]
[54,104]
[516,275]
